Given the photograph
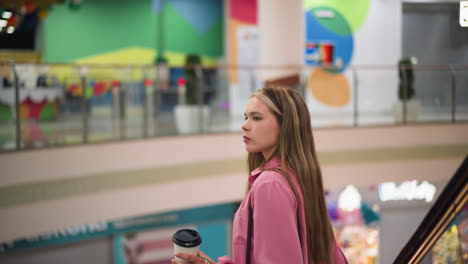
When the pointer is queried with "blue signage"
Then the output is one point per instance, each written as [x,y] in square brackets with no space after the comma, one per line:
[134,224]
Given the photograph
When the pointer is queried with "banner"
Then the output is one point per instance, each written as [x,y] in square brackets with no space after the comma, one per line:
[192,216]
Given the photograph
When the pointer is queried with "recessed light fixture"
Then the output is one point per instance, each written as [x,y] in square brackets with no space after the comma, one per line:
[3,23]
[6,14]
[325,14]
[10,30]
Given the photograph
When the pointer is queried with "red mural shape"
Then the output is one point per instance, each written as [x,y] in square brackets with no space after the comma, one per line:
[244,10]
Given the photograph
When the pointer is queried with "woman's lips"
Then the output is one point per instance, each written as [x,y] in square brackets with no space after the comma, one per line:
[246,138]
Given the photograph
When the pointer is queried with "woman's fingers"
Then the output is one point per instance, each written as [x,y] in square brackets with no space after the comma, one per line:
[201,254]
[188,257]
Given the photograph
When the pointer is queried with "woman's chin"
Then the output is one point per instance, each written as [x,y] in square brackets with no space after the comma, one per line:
[249,149]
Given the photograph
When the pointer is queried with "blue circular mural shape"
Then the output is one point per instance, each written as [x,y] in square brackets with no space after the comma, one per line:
[325,47]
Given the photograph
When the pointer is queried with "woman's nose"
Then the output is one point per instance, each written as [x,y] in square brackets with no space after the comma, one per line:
[244,126]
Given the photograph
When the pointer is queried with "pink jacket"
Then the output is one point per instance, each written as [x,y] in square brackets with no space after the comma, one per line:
[275,237]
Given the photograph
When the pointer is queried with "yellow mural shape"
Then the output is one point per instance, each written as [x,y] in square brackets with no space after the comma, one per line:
[24,112]
[328,88]
[233,27]
[106,65]
[139,55]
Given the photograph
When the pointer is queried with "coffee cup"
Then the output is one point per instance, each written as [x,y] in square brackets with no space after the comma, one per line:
[186,241]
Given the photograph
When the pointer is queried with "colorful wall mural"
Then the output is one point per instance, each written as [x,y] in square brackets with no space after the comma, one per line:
[125,32]
[330,28]
[241,13]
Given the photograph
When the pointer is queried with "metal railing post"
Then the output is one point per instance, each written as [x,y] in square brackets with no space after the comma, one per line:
[405,94]
[303,82]
[156,97]
[122,110]
[145,107]
[200,96]
[17,107]
[252,78]
[355,97]
[453,88]
[115,106]
[84,106]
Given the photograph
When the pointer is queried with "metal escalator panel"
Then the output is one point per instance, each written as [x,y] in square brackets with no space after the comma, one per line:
[442,236]
[452,246]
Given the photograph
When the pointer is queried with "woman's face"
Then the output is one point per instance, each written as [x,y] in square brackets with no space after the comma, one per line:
[261,129]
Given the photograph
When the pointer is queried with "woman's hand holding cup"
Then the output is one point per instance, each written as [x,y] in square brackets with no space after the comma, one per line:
[188,258]
[186,248]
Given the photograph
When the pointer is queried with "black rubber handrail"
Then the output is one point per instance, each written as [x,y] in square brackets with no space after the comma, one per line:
[442,213]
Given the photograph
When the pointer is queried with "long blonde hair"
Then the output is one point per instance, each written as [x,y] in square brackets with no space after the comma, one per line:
[296,150]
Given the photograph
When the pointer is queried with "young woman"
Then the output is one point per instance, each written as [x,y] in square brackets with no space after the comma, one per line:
[289,222]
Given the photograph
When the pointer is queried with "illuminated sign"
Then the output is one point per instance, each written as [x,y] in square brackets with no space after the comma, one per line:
[464,13]
[408,190]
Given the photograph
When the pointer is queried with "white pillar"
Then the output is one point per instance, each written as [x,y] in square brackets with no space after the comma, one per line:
[281,40]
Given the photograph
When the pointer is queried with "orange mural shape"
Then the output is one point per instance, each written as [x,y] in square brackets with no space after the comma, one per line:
[24,111]
[233,26]
[328,88]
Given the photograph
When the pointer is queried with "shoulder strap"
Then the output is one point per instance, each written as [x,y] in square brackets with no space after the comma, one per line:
[249,233]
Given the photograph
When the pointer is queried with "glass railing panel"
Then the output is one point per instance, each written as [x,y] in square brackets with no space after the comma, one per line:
[102,115]
[164,99]
[7,128]
[128,101]
[7,108]
[461,94]
[41,95]
[132,95]
[193,105]
[376,91]
[244,81]
[133,113]
[70,123]
[329,96]
[217,97]
[433,96]
[50,128]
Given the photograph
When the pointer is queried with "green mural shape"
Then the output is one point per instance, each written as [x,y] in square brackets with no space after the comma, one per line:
[355,12]
[47,112]
[337,24]
[98,27]
[5,112]
[184,38]
[107,25]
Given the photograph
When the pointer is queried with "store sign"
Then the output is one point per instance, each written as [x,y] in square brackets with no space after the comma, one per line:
[134,224]
[464,13]
[408,190]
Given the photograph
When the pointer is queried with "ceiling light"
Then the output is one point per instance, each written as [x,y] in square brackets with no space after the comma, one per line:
[3,23]
[10,30]
[325,14]
[6,14]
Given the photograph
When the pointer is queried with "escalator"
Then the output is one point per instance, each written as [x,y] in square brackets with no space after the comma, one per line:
[442,236]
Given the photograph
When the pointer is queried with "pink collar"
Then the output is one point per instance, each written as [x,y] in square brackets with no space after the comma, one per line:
[272,163]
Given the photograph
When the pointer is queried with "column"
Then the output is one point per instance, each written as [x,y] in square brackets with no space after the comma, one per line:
[281,37]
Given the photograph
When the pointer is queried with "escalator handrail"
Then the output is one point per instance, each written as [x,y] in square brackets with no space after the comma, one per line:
[441,214]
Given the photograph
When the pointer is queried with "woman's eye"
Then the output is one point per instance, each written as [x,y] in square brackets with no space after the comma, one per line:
[245,118]
[257,118]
